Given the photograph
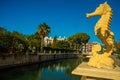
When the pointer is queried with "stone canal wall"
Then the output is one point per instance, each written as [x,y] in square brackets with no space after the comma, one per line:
[13,61]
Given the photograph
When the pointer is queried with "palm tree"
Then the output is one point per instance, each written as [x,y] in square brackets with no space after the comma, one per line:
[43,30]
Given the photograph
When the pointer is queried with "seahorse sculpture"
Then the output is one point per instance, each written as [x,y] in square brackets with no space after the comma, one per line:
[102,31]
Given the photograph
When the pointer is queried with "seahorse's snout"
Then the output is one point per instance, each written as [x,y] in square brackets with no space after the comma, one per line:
[88,15]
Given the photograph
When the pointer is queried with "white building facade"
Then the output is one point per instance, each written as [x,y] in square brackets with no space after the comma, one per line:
[49,40]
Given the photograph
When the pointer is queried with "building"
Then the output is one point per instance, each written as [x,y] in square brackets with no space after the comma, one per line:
[89,46]
[48,40]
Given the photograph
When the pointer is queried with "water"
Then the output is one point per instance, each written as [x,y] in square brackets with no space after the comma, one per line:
[54,70]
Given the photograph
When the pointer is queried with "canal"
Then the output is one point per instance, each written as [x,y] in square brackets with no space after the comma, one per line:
[53,70]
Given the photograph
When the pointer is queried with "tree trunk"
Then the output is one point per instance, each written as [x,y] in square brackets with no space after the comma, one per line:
[85,47]
[42,43]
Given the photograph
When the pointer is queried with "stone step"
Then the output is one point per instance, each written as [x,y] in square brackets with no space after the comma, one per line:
[84,70]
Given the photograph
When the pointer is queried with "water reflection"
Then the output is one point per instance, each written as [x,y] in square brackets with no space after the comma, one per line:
[55,70]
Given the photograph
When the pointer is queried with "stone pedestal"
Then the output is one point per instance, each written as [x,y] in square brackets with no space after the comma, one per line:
[91,73]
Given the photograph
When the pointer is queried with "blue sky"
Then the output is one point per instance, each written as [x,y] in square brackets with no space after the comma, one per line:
[65,17]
